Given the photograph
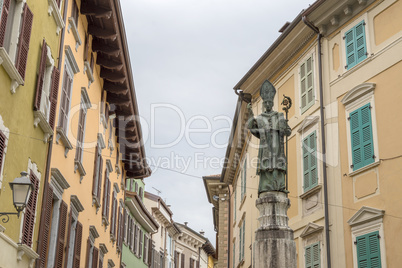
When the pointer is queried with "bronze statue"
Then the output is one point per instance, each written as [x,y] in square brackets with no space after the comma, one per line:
[270,127]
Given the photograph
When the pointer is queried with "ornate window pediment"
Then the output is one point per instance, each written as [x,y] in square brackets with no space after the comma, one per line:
[311,228]
[357,92]
[366,214]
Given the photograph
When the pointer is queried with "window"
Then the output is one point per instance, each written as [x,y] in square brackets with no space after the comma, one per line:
[106,199]
[97,177]
[312,256]
[146,241]
[113,217]
[355,45]
[65,98]
[243,179]
[15,35]
[140,242]
[241,240]
[30,210]
[234,255]
[307,98]
[4,135]
[368,250]
[361,127]
[235,204]
[361,136]
[368,237]
[47,88]
[84,105]
[309,149]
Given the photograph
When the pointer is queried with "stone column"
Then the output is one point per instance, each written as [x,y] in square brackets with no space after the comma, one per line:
[274,246]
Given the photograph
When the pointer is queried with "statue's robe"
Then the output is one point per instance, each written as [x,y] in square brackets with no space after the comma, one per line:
[270,128]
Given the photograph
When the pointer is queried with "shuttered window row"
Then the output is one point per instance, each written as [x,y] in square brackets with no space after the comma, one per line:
[312,256]
[361,136]
[310,172]
[355,44]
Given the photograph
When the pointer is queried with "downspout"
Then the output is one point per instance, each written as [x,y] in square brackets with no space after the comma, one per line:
[229,225]
[50,148]
[324,153]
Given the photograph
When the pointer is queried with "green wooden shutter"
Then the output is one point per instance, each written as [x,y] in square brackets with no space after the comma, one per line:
[360,35]
[310,173]
[368,250]
[307,84]
[312,256]
[355,43]
[361,137]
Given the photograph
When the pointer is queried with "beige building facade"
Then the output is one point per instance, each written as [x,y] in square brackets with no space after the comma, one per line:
[339,63]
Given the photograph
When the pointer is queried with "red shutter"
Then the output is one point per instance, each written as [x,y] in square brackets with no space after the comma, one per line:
[108,199]
[94,189]
[100,263]
[95,258]
[53,96]
[45,226]
[29,217]
[23,43]
[77,245]
[61,234]
[3,21]
[2,148]
[41,76]
[88,252]
[100,176]
[70,222]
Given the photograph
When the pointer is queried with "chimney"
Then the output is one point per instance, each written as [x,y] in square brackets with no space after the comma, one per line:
[202,232]
[185,223]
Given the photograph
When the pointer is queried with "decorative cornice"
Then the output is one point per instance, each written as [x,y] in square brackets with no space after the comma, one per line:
[307,122]
[103,248]
[109,165]
[85,96]
[310,229]
[71,59]
[357,92]
[76,203]
[366,214]
[101,141]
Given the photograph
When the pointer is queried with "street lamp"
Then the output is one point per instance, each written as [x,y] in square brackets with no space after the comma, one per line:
[22,188]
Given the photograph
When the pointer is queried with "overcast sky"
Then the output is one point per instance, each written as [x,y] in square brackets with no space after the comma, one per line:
[186,57]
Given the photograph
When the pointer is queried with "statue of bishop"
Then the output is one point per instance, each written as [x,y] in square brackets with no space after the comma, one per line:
[270,127]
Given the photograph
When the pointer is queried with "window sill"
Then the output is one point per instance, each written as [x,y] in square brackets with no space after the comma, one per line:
[55,11]
[96,203]
[9,66]
[74,29]
[103,120]
[78,166]
[88,72]
[360,170]
[41,119]
[105,221]
[310,192]
[67,144]
[31,254]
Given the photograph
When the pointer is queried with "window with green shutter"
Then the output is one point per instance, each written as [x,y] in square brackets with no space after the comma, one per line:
[312,256]
[361,136]
[244,178]
[310,173]
[368,250]
[235,206]
[306,84]
[355,44]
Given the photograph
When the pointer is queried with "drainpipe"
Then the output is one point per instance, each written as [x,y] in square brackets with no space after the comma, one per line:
[324,156]
[229,196]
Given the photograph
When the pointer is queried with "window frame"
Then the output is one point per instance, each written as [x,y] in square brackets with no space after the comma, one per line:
[311,246]
[6,133]
[368,220]
[356,98]
[351,25]
[311,54]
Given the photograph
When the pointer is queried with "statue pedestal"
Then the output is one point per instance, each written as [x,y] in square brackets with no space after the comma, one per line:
[274,246]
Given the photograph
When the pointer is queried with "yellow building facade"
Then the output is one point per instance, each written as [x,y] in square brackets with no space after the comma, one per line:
[97,143]
[339,63]
[26,29]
